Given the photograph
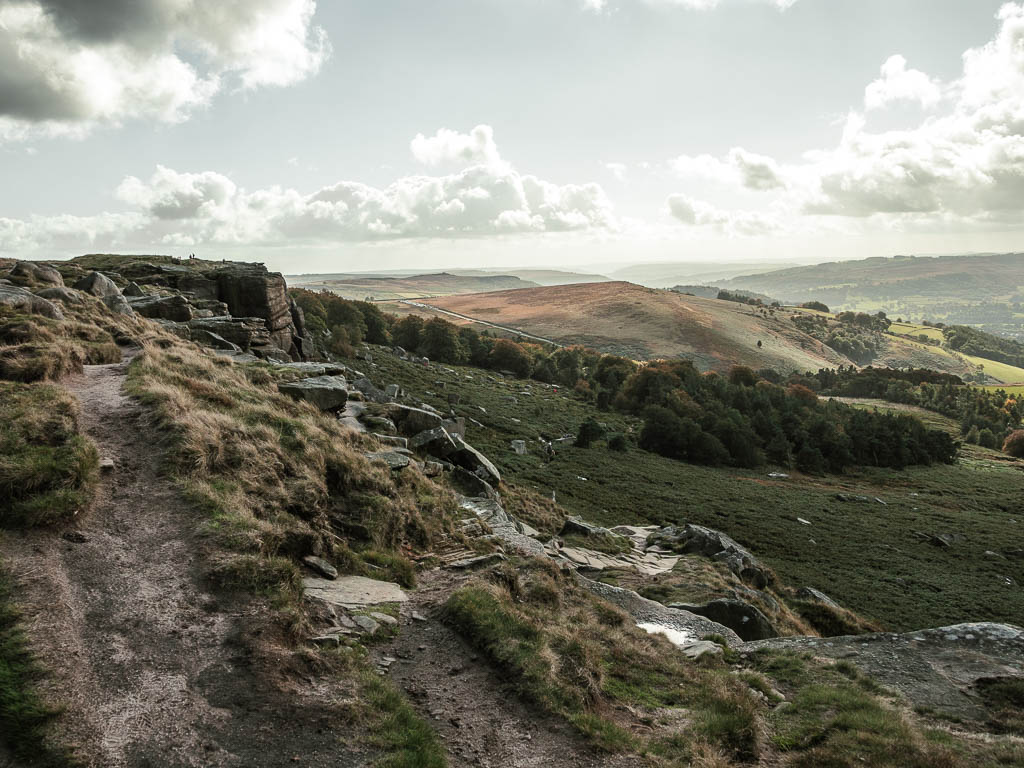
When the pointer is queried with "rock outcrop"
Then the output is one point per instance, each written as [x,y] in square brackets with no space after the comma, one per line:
[328,393]
[744,619]
[696,539]
[24,301]
[938,669]
[30,273]
[242,303]
[98,284]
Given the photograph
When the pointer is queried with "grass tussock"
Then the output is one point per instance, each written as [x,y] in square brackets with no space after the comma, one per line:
[48,469]
[588,663]
[36,348]
[24,716]
[276,478]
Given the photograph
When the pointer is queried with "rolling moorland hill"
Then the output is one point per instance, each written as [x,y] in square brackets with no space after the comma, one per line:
[411,286]
[970,290]
[643,323]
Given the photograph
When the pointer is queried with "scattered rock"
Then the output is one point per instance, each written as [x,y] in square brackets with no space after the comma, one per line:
[33,272]
[106,465]
[480,561]
[810,593]
[118,304]
[384,618]
[744,619]
[353,591]
[75,537]
[696,539]
[701,648]
[60,293]
[400,442]
[328,393]
[22,300]
[519,446]
[366,624]
[393,459]
[321,566]
[97,284]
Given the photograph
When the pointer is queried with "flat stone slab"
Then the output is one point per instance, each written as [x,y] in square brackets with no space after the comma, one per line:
[934,668]
[354,591]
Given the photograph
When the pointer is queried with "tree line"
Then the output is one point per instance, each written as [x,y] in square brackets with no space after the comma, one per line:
[744,419]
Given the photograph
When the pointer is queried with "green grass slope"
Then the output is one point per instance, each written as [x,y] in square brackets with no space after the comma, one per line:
[870,555]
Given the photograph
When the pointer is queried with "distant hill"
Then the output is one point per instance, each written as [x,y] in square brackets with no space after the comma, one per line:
[984,290]
[644,323]
[670,273]
[556,276]
[408,286]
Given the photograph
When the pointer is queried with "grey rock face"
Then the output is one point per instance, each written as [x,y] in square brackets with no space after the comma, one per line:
[648,611]
[23,301]
[744,619]
[118,304]
[60,293]
[28,271]
[810,593]
[321,566]
[411,421]
[939,668]
[97,284]
[174,308]
[393,459]
[696,539]
[436,442]
[328,393]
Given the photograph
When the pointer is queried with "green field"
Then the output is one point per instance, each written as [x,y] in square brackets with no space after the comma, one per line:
[863,553]
[912,329]
[1010,374]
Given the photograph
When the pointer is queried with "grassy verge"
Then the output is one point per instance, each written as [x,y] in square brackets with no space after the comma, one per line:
[24,717]
[47,468]
[579,658]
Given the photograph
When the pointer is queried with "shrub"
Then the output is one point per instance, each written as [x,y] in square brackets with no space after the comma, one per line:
[589,431]
[618,442]
[1014,444]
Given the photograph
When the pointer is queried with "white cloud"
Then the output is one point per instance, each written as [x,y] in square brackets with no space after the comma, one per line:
[697,213]
[448,147]
[898,83]
[963,168]
[738,168]
[67,66]
[487,198]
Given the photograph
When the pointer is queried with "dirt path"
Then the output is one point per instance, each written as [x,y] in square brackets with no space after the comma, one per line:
[152,668]
[478,715]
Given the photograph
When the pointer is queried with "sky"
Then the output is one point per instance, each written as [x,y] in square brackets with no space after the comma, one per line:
[359,135]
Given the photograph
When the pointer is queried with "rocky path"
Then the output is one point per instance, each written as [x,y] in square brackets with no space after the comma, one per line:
[480,718]
[153,668]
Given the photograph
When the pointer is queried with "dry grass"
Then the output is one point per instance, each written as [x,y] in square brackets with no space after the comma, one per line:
[580,658]
[277,478]
[47,468]
[35,348]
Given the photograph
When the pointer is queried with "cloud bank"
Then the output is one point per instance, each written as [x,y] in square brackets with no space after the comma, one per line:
[963,165]
[67,66]
[486,197]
